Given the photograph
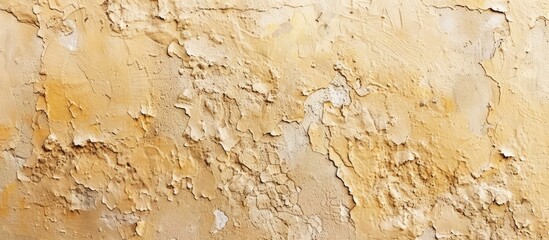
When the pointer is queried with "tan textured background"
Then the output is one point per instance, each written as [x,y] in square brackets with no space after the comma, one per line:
[274,119]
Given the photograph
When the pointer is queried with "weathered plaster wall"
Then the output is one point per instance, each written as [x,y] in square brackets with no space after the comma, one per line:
[274,119]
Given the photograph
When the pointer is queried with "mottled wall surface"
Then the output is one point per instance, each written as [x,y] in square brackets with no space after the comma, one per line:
[274,119]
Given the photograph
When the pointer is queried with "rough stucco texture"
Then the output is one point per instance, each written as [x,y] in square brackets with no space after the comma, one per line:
[274,119]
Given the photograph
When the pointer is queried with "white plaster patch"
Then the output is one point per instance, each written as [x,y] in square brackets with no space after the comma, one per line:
[507,152]
[70,41]
[220,220]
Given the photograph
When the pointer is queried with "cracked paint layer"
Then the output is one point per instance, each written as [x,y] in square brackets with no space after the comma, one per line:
[276,119]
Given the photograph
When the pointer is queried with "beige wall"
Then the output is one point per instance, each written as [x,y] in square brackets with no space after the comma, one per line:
[274,119]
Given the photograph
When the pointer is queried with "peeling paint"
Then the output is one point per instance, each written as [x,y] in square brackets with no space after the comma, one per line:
[308,119]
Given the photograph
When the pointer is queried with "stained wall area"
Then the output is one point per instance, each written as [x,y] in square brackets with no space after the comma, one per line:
[274,119]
